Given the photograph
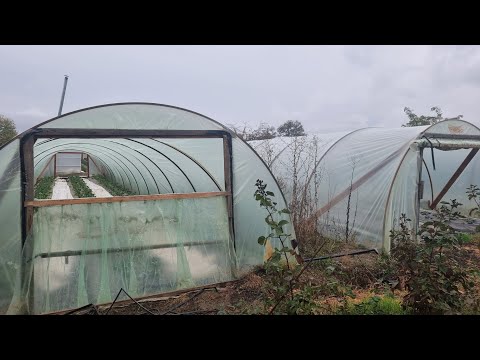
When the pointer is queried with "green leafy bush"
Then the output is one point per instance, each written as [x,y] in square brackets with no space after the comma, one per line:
[43,189]
[113,188]
[473,192]
[464,238]
[375,305]
[437,283]
[80,189]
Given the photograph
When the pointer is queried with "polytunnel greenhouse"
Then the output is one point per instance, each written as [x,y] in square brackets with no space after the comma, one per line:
[190,217]
[362,181]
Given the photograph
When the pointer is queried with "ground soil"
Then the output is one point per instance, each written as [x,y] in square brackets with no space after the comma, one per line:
[244,295]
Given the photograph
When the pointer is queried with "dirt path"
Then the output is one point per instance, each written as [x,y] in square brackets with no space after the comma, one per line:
[97,190]
[61,190]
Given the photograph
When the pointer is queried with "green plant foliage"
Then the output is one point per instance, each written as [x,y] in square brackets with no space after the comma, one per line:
[43,189]
[7,129]
[473,192]
[113,188]
[415,120]
[436,282]
[463,238]
[374,305]
[284,293]
[80,189]
[276,227]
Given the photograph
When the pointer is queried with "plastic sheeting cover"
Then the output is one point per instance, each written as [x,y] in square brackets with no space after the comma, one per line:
[144,248]
[10,229]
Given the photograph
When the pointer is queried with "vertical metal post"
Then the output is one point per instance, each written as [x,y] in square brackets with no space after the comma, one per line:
[417,192]
[88,166]
[63,95]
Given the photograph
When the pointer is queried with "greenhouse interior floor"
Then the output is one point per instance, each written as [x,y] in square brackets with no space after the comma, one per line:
[97,189]
[61,189]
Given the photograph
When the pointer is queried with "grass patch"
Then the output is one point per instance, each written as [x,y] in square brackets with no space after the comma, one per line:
[113,188]
[464,238]
[80,189]
[44,187]
[374,305]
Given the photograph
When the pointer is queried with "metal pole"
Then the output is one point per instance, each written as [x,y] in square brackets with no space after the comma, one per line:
[358,252]
[63,95]
[454,178]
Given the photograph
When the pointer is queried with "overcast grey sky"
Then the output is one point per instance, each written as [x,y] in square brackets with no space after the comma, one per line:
[327,88]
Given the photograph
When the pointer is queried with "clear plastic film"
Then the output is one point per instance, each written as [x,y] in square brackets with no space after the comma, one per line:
[82,254]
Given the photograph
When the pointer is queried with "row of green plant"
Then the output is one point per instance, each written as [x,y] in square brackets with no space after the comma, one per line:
[43,189]
[80,189]
[113,188]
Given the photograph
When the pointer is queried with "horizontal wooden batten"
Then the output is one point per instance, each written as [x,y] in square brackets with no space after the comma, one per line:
[41,203]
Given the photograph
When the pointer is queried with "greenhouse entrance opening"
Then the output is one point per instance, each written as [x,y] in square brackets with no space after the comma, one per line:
[168,227]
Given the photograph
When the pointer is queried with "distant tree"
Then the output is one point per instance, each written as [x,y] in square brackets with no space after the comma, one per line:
[263,132]
[7,129]
[291,128]
[245,132]
[415,120]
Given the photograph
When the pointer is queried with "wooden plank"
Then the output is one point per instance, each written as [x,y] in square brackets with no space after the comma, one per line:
[454,178]
[88,166]
[55,167]
[40,203]
[123,133]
